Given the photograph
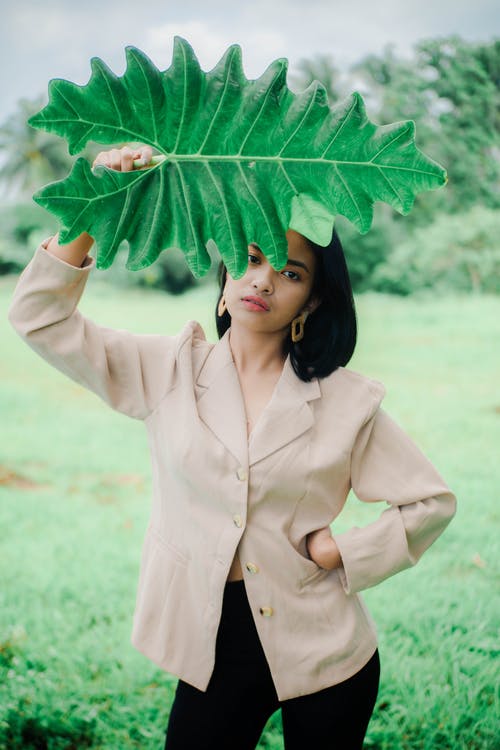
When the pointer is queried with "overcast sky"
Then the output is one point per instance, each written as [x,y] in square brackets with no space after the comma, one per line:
[47,39]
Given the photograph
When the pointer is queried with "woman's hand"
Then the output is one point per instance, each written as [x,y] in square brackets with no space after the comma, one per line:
[322,549]
[122,159]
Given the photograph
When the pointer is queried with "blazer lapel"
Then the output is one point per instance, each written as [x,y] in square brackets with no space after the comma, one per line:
[220,401]
[287,416]
[220,406]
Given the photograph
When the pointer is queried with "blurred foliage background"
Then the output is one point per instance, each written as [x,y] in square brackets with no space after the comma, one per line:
[449,87]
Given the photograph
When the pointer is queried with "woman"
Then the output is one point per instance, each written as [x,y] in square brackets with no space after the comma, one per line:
[244,593]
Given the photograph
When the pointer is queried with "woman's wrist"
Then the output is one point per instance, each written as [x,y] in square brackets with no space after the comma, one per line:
[74,252]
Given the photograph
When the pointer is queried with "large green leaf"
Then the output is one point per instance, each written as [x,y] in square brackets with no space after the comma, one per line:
[238,161]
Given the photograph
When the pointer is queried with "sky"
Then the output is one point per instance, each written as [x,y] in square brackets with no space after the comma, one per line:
[45,39]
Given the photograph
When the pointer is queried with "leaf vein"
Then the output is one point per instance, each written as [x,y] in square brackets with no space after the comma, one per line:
[339,130]
[186,202]
[121,219]
[389,143]
[349,193]
[112,95]
[225,209]
[150,97]
[68,102]
[184,104]
[258,204]
[221,100]
[312,100]
[159,201]
[264,102]
[391,186]
[89,182]
[288,179]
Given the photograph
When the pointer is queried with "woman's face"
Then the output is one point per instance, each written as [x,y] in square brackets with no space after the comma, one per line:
[265,300]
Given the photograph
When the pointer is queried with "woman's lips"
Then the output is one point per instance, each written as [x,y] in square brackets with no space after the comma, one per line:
[255,303]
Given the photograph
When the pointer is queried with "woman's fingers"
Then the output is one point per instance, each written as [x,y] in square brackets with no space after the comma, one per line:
[101,158]
[126,159]
[111,159]
[144,155]
[122,159]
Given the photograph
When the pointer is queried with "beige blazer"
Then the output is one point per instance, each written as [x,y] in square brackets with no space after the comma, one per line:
[215,492]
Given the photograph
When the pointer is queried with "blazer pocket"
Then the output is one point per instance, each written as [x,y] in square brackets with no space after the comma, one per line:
[312,571]
[316,575]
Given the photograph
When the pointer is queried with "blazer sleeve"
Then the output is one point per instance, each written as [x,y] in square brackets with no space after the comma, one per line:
[130,372]
[387,465]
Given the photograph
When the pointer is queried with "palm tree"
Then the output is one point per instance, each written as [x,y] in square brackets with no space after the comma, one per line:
[30,158]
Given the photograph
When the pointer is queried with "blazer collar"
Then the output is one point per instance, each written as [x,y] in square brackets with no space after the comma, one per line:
[221,407]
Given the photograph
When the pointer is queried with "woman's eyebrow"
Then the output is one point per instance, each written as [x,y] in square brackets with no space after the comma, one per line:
[290,261]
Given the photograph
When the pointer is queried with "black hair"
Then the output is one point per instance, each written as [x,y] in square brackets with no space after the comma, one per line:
[330,332]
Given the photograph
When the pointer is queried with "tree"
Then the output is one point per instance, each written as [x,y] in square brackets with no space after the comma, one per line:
[320,68]
[451,88]
[30,157]
[466,80]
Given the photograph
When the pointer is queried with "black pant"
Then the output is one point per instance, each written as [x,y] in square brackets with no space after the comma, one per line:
[240,697]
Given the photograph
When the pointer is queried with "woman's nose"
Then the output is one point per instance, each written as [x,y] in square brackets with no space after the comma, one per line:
[262,279]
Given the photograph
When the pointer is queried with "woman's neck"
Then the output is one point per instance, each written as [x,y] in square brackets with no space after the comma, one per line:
[256,352]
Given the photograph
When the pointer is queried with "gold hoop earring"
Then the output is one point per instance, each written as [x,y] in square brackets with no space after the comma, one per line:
[298,327]
[221,307]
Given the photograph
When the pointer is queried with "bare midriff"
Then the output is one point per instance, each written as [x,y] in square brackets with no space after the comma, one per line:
[235,571]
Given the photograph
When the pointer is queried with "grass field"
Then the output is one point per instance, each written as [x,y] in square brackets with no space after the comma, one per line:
[74,501]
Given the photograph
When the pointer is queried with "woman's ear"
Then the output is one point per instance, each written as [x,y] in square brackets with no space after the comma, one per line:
[312,305]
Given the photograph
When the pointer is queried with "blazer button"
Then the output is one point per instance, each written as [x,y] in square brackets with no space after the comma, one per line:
[238,521]
[251,567]
[266,611]
[242,474]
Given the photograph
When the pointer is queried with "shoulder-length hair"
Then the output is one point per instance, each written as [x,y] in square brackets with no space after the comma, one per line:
[330,332]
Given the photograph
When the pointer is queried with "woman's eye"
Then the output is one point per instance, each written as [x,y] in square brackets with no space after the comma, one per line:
[288,273]
[291,275]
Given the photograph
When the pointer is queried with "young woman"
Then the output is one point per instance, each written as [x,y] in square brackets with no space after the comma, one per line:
[244,592]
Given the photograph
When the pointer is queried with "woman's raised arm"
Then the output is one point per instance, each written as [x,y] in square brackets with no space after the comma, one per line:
[130,371]
[76,252]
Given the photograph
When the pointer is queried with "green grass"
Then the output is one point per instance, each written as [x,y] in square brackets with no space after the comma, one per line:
[74,500]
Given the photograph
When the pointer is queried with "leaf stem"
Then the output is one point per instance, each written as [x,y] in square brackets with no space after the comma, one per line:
[281,160]
[157,159]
